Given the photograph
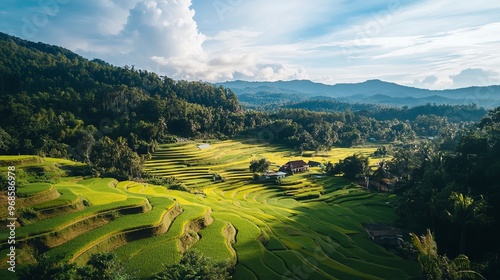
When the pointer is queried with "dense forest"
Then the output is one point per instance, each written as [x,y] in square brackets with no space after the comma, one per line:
[455,194]
[56,103]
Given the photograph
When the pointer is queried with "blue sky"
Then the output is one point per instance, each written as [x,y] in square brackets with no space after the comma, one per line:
[430,44]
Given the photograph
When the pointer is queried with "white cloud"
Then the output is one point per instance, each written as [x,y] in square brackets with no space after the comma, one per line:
[425,83]
[164,29]
[478,77]
[412,42]
[331,41]
[163,36]
[280,72]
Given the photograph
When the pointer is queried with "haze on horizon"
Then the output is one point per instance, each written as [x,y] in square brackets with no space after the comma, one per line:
[426,44]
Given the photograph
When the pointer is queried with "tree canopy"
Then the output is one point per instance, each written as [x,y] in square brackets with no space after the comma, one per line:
[352,167]
[102,266]
[261,165]
[456,193]
[194,266]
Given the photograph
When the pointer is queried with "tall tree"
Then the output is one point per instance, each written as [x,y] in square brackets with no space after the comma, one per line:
[465,213]
[355,167]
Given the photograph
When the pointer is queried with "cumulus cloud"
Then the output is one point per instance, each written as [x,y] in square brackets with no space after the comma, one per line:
[166,27]
[475,77]
[164,37]
[427,82]
[280,72]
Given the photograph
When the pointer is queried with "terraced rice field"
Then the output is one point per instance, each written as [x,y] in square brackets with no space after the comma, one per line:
[307,227]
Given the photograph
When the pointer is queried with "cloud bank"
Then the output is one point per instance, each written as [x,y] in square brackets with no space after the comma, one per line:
[425,43]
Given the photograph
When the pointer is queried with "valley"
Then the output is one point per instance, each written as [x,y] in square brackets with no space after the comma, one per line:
[309,225]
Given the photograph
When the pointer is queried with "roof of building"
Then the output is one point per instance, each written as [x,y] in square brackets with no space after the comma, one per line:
[381,229]
[203,146]
[296,163]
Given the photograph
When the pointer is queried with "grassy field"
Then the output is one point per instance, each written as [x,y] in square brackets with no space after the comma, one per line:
[307,227]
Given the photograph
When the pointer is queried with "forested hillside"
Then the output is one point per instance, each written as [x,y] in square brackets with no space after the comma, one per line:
[56,103]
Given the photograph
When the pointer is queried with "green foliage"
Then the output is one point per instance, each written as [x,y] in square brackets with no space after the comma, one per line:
[116,159]
[428,125]
[193,266]
[102,266]
[437,267]
[126,222]
[5,141]
[466,212]
[261,165]
[455,113]
[213,243]
[47,268]
[353,167]
[179,186]
[4,183]
[382,151]
[28,213]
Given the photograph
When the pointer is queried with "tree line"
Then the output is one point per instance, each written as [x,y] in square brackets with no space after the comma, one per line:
[106,266]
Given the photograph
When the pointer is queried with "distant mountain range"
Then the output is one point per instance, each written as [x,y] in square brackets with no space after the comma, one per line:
[371,91]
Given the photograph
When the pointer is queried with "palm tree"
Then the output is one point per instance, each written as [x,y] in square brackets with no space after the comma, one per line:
[466,212]
[428,254]
[436,267]
[381,172]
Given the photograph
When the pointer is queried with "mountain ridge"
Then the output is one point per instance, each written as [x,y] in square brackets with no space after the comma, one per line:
[372,91]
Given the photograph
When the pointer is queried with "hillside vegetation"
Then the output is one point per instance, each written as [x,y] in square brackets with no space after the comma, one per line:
[307,225]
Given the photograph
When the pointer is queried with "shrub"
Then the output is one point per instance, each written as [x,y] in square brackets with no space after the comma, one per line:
[3,182]
[104,266]
[178,186]
[28,213]
[194,265]
[259,165]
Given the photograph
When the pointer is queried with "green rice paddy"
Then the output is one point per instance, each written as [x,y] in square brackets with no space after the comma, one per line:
[307,227]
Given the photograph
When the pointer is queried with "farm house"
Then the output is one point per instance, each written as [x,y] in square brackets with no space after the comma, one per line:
[295,166]
[203,146]
[384,234]
[276,175]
